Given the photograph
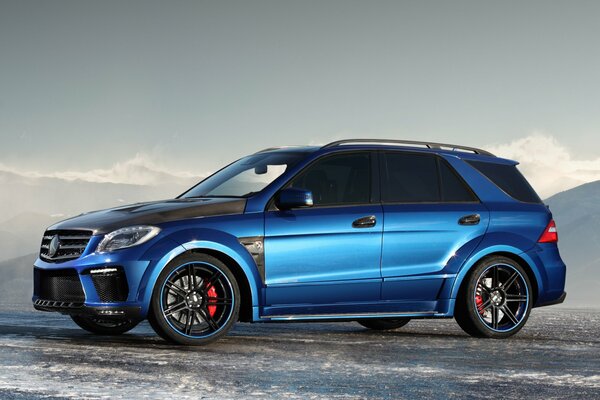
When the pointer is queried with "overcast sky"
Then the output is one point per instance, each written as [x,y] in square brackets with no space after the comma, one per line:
[191,85]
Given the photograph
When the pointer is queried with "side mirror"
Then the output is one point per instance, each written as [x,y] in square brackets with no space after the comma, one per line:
[261,169]
[294,198]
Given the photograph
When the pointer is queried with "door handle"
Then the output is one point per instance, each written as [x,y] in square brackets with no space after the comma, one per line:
[365,222]
[472,219]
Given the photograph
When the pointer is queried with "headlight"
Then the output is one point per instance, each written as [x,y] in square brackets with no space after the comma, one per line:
[127,237]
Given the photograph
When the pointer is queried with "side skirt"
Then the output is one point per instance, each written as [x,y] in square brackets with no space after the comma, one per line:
[352,317]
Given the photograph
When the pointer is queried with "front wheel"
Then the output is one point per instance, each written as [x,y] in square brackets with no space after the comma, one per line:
[383,324]
[496,299]
[104,327]
[196,300]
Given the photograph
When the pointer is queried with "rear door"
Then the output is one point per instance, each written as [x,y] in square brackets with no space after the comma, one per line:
[429,213]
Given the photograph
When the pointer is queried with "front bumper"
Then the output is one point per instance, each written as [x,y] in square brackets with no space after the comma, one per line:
[104,312]
[80,287]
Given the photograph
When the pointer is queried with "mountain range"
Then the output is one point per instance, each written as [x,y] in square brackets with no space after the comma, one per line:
[577,215]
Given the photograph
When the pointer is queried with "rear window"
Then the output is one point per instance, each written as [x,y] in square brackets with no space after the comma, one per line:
[509,179]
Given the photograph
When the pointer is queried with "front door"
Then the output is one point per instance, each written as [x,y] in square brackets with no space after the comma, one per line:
[326,258]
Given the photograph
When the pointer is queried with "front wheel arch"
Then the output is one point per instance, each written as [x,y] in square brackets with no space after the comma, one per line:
[230,252]
[245,314]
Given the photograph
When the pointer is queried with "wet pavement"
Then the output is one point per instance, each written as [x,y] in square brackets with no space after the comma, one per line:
[556,356]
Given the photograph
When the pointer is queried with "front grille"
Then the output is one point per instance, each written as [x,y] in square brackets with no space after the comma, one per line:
[61,285]
[111,284]
[61,245]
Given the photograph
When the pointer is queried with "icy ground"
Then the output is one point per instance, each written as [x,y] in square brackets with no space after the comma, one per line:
[556,356]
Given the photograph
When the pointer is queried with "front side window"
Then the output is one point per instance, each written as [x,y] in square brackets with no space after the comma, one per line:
[246,176]
[421,178]
[337,180]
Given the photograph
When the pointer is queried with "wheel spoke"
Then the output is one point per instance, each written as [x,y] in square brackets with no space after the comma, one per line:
[516,298]
[495,317]
[510,281]
[176,289]
[189,322]
[175,308]
[484,306]
[211,280]
[495,277]
[191,277]
[219,301]
[209,320]
[485,288]
[510,315]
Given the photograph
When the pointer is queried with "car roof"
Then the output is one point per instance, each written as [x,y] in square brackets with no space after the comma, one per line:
[464,152]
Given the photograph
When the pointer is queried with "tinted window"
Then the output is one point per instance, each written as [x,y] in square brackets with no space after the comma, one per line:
[509,179]
[422,178]
[453,187]
[340,179]
[410,178]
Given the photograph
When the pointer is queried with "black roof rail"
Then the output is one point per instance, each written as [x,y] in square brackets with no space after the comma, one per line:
[429,145]
[276,148]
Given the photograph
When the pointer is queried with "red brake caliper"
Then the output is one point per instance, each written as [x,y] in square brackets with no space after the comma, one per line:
[212,298]
[479,303]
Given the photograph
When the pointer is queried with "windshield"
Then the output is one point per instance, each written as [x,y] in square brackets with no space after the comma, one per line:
[246,176]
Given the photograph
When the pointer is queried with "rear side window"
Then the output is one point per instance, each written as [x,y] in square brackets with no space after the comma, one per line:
[509,179]
[421,178]
[454,189]
[410,178]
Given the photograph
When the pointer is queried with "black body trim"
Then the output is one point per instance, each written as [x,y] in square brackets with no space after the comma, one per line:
[560,300]
[104,312]
[255,246]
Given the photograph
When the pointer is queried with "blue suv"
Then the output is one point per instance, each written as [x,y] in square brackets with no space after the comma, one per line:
[373,231]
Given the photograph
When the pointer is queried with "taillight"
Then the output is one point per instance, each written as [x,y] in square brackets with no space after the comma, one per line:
[550,234]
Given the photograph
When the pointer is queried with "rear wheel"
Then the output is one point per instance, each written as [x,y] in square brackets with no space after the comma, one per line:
[495,301]
[383,324]
[195,300]
[102,326]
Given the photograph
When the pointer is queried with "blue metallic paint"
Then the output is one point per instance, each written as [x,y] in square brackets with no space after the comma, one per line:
[426,254]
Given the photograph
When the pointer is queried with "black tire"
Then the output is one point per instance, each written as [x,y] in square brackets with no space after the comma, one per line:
[104,327]
[183,309]
[495,299]
[383,324]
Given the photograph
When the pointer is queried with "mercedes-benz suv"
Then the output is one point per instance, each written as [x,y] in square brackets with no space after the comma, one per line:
[373,231]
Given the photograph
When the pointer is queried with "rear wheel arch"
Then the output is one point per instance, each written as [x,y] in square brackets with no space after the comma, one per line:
[530,274]
[513,256]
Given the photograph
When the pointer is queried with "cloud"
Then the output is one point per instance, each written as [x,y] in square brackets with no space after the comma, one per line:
[547,164]
[139,170]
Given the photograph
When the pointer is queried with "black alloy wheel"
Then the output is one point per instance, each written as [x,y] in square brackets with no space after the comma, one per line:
[195,300]
[496,300]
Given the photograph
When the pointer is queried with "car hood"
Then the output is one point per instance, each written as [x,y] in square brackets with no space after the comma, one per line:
[151,213]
